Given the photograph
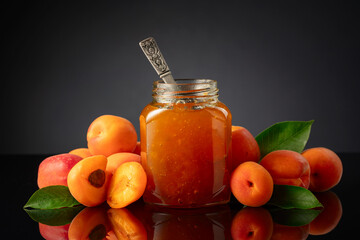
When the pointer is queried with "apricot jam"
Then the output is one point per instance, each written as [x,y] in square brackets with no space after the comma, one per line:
[185,137]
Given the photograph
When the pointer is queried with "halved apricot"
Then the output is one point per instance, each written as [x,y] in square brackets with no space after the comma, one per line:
[127,185]
[87,181]
[125,225]
[90,223]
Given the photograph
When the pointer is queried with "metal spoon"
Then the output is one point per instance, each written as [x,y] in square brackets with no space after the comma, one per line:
[153,54]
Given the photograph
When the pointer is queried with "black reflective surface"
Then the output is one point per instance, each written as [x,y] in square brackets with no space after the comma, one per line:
[19,182]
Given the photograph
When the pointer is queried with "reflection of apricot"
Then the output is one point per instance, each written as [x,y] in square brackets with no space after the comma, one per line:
[330,216]
[127,185]
[125,225]
[81,152]
[251,184]
[115,160]
[326,168]
[87,181]
[243,147]
[252,223]
[287,168]
[54,232]
[110,134]
[90,223]
[282,232]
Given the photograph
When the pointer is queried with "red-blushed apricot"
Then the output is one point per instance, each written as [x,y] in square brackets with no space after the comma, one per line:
[137,148]
[330,216]
[110,134]
[81,152]
[54,232]
[88,181]
[55,169]
[326,168]
[127,185]
[243,147]
[252,223]
[125,225]
[251,184]
[282,232]
[287,168]
[90,223]
[116,159]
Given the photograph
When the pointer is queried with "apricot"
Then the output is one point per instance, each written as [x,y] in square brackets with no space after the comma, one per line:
[54,170]
[110,134]
[90,223]
[330,216]
[137,148]
[251,184]
[125,225]
[127,185]
[287,168]
[87,181]
[243,147]
[252,223]
[54,232]
[81,152]
[116,159]
[282,232]
[326,168]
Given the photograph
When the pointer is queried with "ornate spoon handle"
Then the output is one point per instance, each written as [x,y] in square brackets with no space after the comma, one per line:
[153,54]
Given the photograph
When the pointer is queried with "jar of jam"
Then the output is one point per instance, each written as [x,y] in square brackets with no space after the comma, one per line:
[185,138]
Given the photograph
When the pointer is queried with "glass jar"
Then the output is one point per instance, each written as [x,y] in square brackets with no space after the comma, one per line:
[185,138]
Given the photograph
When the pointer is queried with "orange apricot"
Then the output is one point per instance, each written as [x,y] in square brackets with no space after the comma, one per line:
[243,147]
[329,217]
[287,168]
[251,184]
[87,181]
[81,152]
[90,223]
[127,185]
[326,168]
[125,225]
[282,232]
[110,134]
[252,223]
[116,159]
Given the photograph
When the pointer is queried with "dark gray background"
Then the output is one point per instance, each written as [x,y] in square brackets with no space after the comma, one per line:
[66,63]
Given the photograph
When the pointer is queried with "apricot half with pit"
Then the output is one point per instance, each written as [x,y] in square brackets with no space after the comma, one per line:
[87,181]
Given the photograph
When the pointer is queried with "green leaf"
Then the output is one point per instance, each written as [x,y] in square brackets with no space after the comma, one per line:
[289,135]
[294,217]
[287,197]
[51,197]
[54,217]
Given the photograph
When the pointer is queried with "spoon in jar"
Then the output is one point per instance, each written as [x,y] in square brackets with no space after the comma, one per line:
[153,54]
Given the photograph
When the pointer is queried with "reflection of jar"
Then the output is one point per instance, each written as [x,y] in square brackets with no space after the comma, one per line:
[185,137]
[179,224]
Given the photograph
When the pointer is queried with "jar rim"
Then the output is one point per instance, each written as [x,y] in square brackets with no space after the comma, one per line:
[185,89]
[187,81]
